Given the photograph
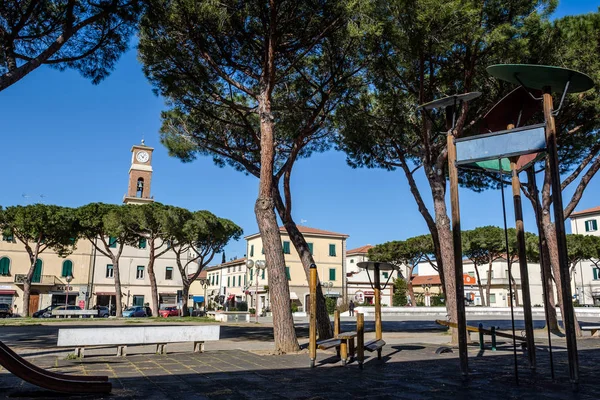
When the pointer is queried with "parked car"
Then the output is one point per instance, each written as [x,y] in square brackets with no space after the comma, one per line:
[5,310]
[48,314]
[103,312]
[40,313]
[169,312]
[137,311]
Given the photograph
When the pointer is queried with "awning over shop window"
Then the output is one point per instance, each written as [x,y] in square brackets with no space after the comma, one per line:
[106,294]
[230,297]
[198,299]
[8,292]
[293,296]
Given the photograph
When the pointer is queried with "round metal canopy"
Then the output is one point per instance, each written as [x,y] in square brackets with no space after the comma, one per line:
[370,266]
[449,101]
[539,76]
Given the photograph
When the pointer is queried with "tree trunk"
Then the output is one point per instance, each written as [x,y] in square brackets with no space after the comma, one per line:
[442,221]
[409,285]
[279,291]
[152,277]
[550,236]
[480,285]
[27,288]
[186,291]
[118,292]
[324,329]
[488,285]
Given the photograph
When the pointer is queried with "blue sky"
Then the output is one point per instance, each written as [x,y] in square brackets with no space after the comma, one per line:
[69,141]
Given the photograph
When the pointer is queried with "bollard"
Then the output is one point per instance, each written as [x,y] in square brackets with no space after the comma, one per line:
[312,335]
[336,323]
[481,344]
[360,339]
[493,338]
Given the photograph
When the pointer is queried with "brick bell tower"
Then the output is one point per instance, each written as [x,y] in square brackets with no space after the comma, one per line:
[140,175]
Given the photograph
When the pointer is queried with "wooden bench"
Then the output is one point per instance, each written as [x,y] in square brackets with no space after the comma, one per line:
[490,332]
[326,344]
[593,329]
[142,335]
[376,344]
[346,345]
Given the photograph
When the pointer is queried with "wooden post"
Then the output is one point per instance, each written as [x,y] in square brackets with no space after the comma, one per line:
[493,329]
[312,323]
[523,268]
[336,323]
[458,266]
[561,240]
[481,339]
[377,289]
[360,339]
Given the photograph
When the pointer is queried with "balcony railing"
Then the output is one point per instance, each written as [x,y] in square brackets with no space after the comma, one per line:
[44,280]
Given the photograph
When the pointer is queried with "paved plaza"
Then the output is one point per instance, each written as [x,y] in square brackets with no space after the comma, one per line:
[241,366]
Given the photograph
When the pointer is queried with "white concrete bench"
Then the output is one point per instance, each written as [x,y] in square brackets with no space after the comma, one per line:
[592,328]
[142,335]
[75,313]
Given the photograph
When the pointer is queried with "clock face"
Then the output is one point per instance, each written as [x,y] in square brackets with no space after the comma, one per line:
[142,156]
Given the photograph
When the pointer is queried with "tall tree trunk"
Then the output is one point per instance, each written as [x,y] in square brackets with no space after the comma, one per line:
[186,291]
[118,291]
[279,291]
[152,277]
[479,285]
[411,291]
[550,236]
[442,221]
[324,329]
[27,288]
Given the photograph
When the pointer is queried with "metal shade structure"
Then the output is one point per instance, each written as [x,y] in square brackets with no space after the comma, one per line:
[541,76]
[449,101]
[372,265]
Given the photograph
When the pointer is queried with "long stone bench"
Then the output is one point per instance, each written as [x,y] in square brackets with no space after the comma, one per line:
[139,335]
[593,329]
[75,313]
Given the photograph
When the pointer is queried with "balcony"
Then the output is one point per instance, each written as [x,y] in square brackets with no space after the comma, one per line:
[45,280]
[497,281]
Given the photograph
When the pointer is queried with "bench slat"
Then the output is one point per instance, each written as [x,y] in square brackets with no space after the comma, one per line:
[374,344]
[328,343]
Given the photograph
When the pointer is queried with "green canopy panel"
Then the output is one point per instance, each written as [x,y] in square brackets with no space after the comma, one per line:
[540,76]
[523,163]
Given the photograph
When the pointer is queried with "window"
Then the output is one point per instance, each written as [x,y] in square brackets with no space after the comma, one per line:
[217,279]
[212,282]
[310,247]
[591,225]
[286,247]
[109,271]
[385,275]
[287,273]
[332,250]
[4,266]
[492,298]
[251,274]
[37,272]
[332,274]
[8,238]
[67,268]
[595,270]
[169,273]
[351,261]
[239,280]
[245,279]
[112,242]
[140,272]
[142,243]
[263,274]
[228,269]
[138,301]
[251,250]
[228,281]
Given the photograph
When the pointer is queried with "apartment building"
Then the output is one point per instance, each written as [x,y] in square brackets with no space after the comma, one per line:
[585,277]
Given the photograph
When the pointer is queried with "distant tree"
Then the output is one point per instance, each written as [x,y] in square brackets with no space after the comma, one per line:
[39,227]
[580,248]
[399,298]
[201,234]
[108,228]
[409,252]
[483,246]
[86,35]
[253,85]
[149,221]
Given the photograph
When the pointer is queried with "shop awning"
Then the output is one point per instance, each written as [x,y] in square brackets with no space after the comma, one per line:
[106,294]
[293,296]
[230,297]
[198,299]
[8,292]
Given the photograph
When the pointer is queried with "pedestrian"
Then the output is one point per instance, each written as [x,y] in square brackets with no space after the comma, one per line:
[351,308]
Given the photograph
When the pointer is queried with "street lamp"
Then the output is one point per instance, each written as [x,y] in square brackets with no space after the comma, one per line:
[68,278]
[260,265]
[327,285]
[204,284]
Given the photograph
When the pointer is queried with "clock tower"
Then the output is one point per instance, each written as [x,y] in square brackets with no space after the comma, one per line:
[140,175]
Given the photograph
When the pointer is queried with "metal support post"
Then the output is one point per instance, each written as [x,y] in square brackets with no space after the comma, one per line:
[312,335]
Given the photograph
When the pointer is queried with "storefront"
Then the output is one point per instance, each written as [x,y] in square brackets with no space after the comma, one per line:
[7,295]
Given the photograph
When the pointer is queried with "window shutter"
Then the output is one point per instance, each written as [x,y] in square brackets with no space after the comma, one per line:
[37,273]
[228,281]
[385,275]
[594,225]
[287,273]
[142,244]
[286,247]
[251,250]
[332,274]
[67,268]
[310,248]
[217,279]
[595,270]
[263,274]
[5,266]
[112,242]
[332,250]
[239,280]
